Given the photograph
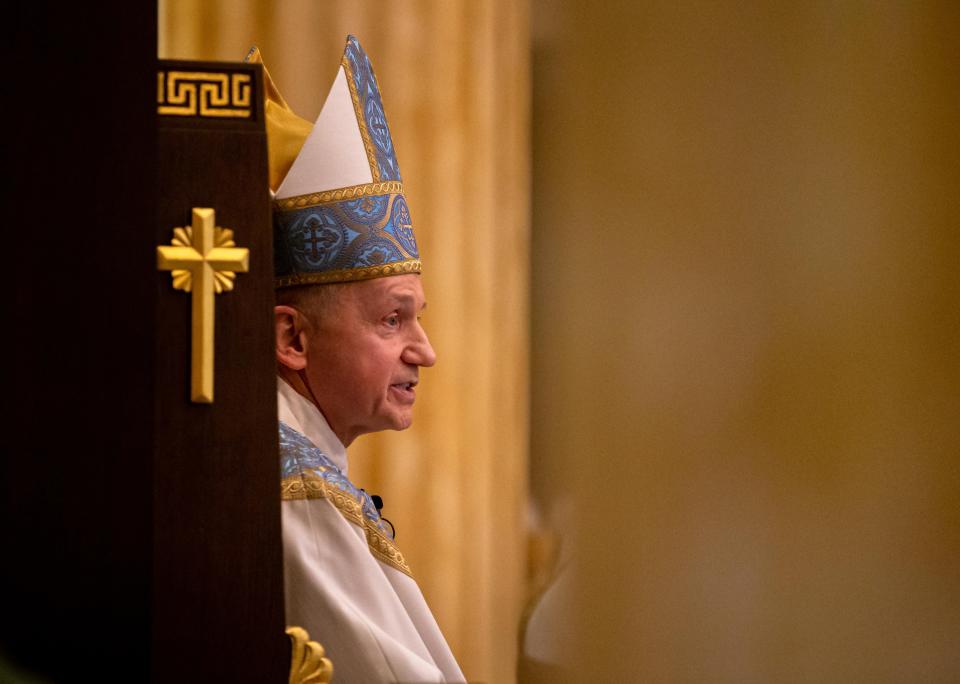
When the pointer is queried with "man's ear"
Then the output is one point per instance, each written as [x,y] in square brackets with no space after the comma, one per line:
[290,325]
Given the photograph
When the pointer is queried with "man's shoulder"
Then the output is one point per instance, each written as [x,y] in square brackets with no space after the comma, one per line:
[308,473]
[299,458]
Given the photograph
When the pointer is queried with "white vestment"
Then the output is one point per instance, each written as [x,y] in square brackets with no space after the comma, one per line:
[345,581]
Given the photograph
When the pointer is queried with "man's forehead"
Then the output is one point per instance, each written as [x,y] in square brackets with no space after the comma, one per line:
[402,289]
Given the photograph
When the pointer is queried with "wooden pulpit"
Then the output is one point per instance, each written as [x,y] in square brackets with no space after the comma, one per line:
[217,562]
[140,492]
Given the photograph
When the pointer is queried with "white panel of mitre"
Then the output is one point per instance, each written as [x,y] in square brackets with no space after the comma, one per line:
[333,155]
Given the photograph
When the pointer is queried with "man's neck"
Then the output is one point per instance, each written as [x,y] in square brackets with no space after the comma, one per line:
[303,415]
[299,385]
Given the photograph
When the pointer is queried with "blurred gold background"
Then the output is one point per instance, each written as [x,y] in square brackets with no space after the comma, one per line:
[746,317]
[743,332]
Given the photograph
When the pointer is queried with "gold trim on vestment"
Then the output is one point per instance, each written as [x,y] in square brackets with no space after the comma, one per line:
[338,195]
[349,274]
[362,119]
[306,486]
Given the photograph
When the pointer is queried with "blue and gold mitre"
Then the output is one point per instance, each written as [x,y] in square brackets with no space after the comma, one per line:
[339,213]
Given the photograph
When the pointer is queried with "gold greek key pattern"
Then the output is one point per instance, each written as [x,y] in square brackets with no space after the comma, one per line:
[381,546]
[204,94]
[361,121]
[339,195]
[349,274]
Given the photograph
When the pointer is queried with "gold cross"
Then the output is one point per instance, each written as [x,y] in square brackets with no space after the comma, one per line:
[204,260]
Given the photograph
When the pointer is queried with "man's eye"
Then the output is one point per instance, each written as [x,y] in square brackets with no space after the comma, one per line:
[393,320]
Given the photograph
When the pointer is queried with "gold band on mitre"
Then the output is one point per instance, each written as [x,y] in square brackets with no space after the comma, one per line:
[338,195]
[347,275]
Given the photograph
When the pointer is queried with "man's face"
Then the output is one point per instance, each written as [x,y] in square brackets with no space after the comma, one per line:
[364,355]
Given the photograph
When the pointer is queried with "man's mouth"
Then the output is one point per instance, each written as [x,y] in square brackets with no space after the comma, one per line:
[404,391]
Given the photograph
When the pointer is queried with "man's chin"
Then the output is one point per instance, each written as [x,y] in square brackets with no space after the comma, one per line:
[399,420]
[402,422]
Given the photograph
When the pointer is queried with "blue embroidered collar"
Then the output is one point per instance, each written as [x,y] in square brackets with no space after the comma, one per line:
[300,459]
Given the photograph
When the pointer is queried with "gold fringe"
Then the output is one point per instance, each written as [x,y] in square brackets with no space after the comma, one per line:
[338,195]
[362,120]
[349,274]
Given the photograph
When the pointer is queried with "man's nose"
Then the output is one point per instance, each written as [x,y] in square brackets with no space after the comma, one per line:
[420,352]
